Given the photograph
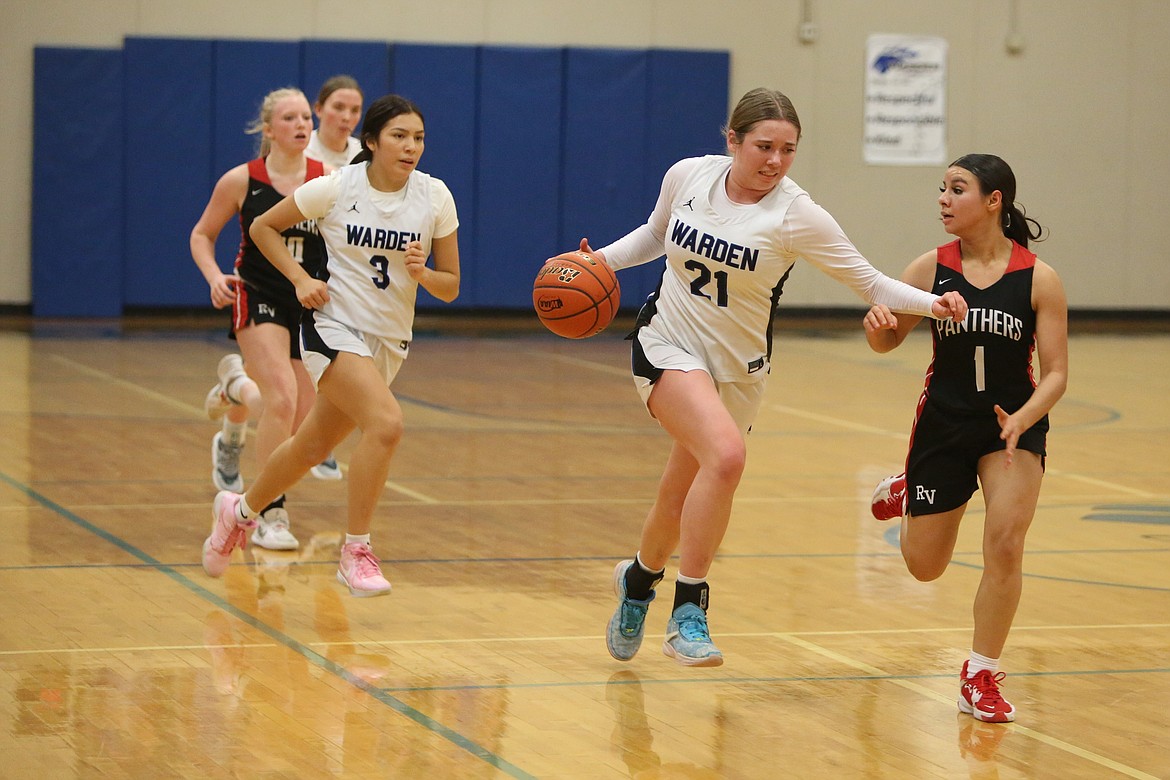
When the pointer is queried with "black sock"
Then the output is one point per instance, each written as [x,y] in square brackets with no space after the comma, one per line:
[277,504]
[639,582]
[698,594]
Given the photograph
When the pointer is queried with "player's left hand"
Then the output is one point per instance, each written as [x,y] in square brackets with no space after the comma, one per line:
[949,306]
[1009,431]
[416,260]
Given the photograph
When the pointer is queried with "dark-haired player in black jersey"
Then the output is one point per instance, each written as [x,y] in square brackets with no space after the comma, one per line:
[982,418]
[265,311]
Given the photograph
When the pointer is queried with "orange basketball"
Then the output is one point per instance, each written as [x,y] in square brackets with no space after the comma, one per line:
[576,295]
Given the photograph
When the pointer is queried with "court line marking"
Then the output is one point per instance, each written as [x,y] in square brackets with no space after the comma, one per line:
[167,400]
[419,497]
[535,427]
[394,703]
[126,384]
[922,690]
[869,429]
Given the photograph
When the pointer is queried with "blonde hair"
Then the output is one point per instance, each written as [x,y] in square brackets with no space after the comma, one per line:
[267,106]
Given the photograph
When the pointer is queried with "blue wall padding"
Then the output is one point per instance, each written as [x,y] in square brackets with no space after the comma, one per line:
[604,194]
[443,81]
[169,171]
[687,104]
[366,61]
[518,189]
[539,146]
[245,71]
[687,108]
[77,183]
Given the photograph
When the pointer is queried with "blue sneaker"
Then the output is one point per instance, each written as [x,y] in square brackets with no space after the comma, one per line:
[687,639]
[623,636]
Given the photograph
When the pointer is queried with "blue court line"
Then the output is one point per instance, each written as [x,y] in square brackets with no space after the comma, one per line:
[321,661]
[891,537]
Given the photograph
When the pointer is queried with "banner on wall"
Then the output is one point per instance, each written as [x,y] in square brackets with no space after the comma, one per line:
[905,100]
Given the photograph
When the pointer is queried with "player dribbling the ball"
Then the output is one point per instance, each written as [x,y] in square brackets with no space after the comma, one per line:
[732,228]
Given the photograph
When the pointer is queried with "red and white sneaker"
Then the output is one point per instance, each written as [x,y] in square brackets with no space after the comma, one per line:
[227,533]
[889,498]
[359,571]
[980,698]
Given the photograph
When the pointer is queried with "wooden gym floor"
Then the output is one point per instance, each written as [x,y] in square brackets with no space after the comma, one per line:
[526,470]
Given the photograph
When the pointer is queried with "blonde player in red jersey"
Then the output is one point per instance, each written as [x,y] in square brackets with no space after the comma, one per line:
[265,311]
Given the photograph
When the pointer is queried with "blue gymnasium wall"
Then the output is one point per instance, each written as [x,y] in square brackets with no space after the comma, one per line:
[77,192]
[540,147]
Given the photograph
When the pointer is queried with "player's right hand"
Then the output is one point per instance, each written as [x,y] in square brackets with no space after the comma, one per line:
[312,293]
[879,317]
[223,290]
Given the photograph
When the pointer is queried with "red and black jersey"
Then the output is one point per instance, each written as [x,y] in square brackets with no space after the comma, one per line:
[986,359]
[302,239]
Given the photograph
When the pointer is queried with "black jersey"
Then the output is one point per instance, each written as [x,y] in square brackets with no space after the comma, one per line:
[302,239]
[986,359]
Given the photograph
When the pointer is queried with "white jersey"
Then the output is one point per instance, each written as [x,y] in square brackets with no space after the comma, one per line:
[366,232]
[318,151]
[726,264]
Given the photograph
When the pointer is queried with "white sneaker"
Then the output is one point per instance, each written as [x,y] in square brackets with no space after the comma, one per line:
[272,531]
[225,465]
[216,403]
[327,469]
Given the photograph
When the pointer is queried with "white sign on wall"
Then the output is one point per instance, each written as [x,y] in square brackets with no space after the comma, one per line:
[905,100]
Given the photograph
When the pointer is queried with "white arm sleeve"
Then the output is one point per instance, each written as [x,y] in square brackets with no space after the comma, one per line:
[315,197]
[446,217]
[814,235]
[638,246]
[647,242]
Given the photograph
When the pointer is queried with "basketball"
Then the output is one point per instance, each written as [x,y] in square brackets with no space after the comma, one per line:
[576,295]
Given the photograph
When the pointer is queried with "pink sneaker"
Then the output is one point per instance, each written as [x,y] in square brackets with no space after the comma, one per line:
[227,533]
[889,498]
[359,571]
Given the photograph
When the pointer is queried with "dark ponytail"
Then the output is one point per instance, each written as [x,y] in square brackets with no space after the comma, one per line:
[995,174]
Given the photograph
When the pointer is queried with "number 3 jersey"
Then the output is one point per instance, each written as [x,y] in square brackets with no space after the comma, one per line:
[302,239]
[366,233]
[986,359]
[726,265]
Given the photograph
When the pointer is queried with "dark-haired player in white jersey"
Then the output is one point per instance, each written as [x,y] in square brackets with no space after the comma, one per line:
[732,227]
[982,419]
[381,218]
[265,311]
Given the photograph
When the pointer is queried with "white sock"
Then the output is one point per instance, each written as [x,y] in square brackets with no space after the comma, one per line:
[978,663]
[233,432]
[358,538]
[243,510]
[690,580]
